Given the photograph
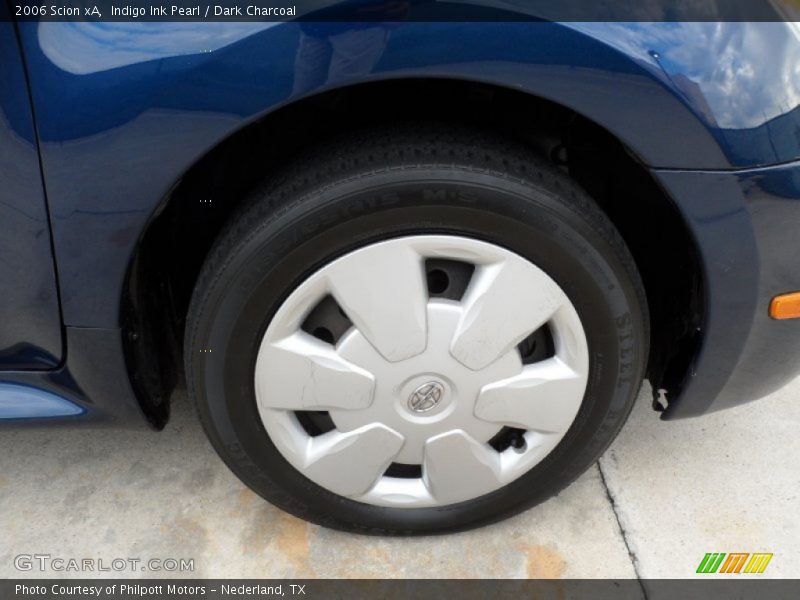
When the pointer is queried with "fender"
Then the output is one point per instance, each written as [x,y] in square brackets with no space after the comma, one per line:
[125,109]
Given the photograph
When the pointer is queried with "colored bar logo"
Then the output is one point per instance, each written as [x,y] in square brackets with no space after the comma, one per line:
[734,562]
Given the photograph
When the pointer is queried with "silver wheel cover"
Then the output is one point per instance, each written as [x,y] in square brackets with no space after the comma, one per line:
[419,380]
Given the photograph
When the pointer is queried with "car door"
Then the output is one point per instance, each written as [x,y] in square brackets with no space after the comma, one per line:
[30,323]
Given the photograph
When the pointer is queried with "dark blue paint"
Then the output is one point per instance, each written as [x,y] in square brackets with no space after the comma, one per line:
[30,327]
[94,378]
[747,225]
[125,109]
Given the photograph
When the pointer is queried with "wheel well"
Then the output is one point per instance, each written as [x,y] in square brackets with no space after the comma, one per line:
[174,245]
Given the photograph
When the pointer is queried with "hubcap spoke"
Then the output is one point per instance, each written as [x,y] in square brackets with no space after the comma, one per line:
[385,295]
[545,397]
[457,467]
[303,373]
[351,463]
[505,303]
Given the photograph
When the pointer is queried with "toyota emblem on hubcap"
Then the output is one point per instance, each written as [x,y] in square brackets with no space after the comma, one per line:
[426,397]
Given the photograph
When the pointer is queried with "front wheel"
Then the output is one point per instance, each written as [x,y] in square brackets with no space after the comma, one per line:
[416,332]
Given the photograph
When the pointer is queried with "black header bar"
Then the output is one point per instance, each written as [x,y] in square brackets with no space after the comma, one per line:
[178,11]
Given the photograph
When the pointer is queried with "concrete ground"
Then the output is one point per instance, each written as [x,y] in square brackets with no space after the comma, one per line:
[661,497]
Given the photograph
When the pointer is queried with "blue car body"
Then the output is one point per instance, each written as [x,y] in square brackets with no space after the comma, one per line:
[100,122]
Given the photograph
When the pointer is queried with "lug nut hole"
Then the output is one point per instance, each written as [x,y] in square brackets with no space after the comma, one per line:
[438,281]
[324,334]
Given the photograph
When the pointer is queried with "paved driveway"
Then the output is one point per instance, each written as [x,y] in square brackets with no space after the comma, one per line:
[663,496]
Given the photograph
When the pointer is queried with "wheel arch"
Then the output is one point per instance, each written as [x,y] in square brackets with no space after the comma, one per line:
[180,231]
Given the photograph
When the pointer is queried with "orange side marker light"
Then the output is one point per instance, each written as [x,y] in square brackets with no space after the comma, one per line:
[785,306]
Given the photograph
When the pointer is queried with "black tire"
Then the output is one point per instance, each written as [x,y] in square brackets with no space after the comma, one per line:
[400,181]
